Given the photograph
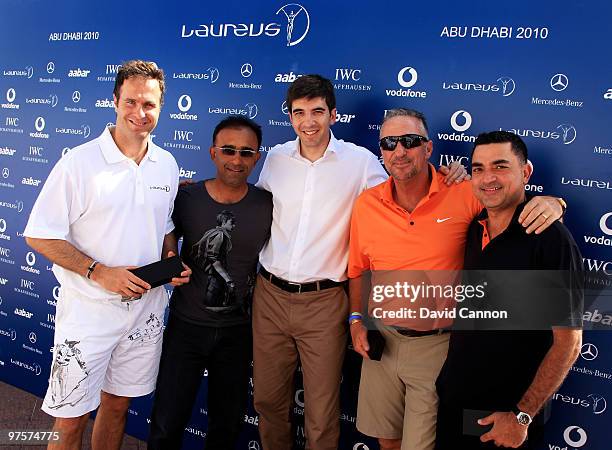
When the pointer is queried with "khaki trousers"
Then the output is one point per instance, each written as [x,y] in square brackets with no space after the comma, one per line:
[312,325]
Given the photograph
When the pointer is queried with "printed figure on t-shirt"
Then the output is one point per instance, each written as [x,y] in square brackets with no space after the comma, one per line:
[210,253]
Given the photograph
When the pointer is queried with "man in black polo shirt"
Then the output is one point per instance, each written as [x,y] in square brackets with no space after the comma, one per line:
[502,373]
[224,223]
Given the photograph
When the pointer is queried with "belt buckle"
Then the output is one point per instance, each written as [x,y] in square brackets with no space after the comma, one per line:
[296,284]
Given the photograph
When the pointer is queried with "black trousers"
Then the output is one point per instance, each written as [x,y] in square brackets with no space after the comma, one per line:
[187,349]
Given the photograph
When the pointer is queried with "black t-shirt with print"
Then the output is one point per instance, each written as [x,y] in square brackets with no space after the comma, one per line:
[221,244]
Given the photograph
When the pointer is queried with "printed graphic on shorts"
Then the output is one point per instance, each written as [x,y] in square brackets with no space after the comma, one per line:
[149,333]
[210,254]
[68,374]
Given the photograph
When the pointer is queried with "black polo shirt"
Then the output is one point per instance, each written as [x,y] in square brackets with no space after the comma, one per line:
[490,365]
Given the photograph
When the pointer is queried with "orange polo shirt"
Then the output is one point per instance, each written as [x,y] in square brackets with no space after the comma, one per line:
[386,237]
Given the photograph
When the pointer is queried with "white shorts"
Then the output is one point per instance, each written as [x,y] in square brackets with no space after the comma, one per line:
[105,346]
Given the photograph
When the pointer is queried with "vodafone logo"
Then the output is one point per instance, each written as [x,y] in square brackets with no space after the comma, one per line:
[39,124]
[30,259]
[466,119]
[184,103]
[603,223]
[575,436]
[401,77]
[10,95]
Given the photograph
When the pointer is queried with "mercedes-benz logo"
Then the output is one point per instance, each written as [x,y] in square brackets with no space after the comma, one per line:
[413,77]
[246,70]
[559,82]
[32,337]
[589,351]
[50,67]
[76,96]
[360,446]
[285,108]
[5,172]
[254,445]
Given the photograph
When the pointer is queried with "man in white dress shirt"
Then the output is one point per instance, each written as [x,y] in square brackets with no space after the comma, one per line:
[300,307]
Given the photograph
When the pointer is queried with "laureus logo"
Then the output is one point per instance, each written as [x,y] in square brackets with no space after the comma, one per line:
[292,12]
[295,31]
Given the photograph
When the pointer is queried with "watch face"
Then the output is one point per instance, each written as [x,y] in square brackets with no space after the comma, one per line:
[523,418]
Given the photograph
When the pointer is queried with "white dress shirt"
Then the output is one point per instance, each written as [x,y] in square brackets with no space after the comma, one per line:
[108,207]
[313,202]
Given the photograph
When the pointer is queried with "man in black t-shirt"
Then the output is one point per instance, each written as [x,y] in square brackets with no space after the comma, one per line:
[499,374]
[224,223]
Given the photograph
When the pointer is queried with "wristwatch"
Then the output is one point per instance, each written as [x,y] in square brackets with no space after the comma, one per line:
[522,417]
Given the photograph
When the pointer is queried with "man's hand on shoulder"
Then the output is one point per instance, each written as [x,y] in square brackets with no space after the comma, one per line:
[540,213]
[455,173]
[506,431]
[120,281]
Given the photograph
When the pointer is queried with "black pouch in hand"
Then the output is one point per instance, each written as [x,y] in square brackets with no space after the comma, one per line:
[160,272]
[377,344]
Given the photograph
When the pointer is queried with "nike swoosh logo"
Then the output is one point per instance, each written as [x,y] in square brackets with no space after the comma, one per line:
[442,220]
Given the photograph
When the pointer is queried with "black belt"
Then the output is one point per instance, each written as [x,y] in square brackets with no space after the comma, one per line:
[298,288]
[416,333]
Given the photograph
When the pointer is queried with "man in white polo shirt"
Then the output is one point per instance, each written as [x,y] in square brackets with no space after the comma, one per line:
[106,207]
[300,307]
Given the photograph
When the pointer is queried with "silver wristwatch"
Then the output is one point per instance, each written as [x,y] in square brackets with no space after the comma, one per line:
[522,417]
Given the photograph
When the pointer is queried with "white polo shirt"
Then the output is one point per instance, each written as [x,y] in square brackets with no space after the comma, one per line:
[107,206]
[313,202]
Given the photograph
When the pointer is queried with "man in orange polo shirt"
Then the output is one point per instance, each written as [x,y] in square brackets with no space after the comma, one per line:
[412,222]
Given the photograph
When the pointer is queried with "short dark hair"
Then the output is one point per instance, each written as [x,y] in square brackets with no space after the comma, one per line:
[239,122]
[407,112]
[501,137]
[311,86]
[139,68]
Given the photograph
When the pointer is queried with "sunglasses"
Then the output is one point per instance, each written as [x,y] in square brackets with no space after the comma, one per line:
[244,153]
[408,141]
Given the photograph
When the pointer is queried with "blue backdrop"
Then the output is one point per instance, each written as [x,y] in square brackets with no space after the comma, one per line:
[539,69]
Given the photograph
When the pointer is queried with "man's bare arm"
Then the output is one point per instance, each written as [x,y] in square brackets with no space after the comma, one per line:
[170,245]
[169,249]
[62,253]
[553,369]
[359,334]
[114,279]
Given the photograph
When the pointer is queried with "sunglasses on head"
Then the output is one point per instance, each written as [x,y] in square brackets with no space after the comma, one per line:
[244,153]
[408,141]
